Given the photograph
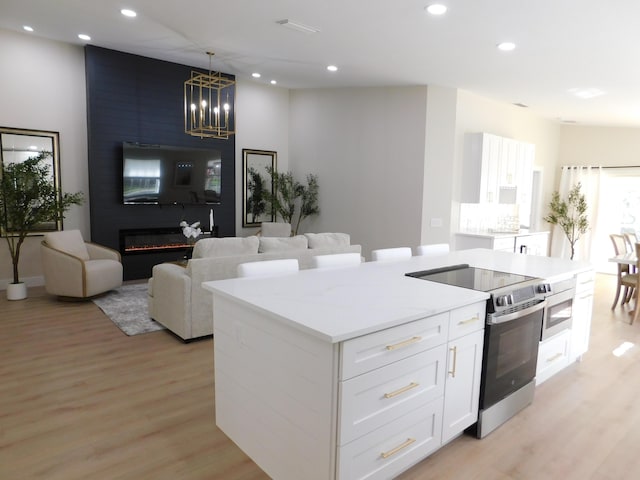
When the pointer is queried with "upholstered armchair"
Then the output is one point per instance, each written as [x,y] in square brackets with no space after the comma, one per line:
[79,269]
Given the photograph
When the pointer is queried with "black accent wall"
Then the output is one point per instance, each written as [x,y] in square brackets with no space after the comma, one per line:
[139,99]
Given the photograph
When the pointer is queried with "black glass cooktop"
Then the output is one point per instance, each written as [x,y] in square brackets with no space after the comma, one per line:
[471,277]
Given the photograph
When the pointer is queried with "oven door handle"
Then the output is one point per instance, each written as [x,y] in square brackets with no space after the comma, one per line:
[518,314]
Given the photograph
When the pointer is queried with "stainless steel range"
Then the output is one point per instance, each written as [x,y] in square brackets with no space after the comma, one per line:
[511,336]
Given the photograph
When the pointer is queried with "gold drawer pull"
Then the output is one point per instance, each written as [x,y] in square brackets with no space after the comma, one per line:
[404,344]
[555,357]
[411,386]
[398,448]
[475,318]
[455,360]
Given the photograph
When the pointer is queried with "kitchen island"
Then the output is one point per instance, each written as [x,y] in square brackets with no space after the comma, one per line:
[355,372]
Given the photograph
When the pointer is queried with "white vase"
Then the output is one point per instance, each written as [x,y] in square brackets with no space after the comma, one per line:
[17,291]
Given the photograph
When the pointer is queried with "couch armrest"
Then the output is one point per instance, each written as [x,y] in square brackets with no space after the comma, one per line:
[100,252]
[64,274]
[172,298]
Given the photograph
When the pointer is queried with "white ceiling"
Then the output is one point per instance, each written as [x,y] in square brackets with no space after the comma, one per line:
[561,44]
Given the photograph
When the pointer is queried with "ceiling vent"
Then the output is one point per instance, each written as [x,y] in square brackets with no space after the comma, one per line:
[297,26]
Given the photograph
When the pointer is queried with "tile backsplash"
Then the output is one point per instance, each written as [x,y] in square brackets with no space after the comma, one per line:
[489,217]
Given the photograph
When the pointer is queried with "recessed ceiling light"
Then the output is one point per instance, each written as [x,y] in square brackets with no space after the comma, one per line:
[436,9]
[128,12]
[506,46]
[332,68]
[27,28]
[84,36]
[255,75]
[273,82]
[586,93]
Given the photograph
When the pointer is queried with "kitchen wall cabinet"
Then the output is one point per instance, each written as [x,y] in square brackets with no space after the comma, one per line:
[498,170]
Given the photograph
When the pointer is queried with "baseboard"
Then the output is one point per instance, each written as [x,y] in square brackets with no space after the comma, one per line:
[30,281]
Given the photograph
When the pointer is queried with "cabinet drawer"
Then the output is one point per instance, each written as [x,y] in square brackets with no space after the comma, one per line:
[553,356]
[585,281]
[389,450]
[507,244]
[375,350]
[376,398]
[467,319]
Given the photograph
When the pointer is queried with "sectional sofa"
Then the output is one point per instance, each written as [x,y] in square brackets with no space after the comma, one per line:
[176,298]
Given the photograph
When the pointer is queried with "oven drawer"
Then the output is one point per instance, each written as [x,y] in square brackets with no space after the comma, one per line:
[375,350]
[553,356]
[467,319]
[391,449]
[376,398]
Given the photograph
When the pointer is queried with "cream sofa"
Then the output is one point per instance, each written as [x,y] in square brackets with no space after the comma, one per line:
[176,298]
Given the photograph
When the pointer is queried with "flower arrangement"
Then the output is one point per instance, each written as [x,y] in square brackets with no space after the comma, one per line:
[192,231]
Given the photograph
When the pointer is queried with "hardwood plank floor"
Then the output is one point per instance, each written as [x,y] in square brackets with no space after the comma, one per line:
[79,399]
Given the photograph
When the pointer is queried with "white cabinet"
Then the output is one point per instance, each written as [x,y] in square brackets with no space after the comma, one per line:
[534,244]
[553,356]
[462,386]
[498,170]
[405,389]
[582,312]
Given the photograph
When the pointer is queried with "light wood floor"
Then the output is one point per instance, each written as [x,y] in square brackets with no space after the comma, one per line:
[80,400]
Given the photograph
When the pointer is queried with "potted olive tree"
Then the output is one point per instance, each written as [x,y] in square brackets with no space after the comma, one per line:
[570,215]
[28,198]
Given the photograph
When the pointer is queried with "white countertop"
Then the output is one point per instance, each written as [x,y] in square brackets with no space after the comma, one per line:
[490,234]
[341,303]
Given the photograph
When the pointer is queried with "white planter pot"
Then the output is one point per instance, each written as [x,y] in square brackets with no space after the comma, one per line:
[17,291]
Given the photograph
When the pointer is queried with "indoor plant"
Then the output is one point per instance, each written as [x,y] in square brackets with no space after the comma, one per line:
[290,195]
[569,215]
[28,198]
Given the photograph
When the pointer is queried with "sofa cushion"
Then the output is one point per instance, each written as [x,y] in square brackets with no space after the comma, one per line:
[68,241]
[225,247]
[282,244]
[328,240]
[275,229]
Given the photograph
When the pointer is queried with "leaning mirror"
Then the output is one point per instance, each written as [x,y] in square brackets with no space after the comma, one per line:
[257,184]
[17,145]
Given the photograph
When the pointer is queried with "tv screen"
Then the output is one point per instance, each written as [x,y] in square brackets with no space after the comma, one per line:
[158,174]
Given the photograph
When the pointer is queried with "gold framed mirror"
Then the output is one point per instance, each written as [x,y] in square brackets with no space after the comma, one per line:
[17,145]
[256,181]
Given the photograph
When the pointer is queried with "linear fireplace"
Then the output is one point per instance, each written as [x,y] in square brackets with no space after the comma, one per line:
[152,240]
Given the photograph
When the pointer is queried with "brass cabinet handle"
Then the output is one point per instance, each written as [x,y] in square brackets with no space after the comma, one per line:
[411,386]
[475,318]
[398,448]
[452,372]
[412,340]
[555,357]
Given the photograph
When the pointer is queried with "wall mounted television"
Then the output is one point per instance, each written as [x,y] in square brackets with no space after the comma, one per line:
[166,175]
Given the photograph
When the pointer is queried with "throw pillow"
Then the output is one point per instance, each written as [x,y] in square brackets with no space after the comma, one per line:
[225,247]
[328,240]
[282,244]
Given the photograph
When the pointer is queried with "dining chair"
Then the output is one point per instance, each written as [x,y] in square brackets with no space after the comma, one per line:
[268,267]
[389,254]
[626,279]
[636,309]
[631,238]
[336,260]
[433,250]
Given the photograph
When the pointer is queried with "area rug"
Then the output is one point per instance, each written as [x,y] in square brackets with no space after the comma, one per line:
[127,308]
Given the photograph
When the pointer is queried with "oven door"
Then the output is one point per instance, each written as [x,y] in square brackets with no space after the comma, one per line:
[557,314]
[510,353]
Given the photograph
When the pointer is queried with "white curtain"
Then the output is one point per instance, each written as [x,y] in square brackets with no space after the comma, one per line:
[590,179]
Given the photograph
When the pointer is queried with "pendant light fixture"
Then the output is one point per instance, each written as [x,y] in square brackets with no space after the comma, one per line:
[208,104]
